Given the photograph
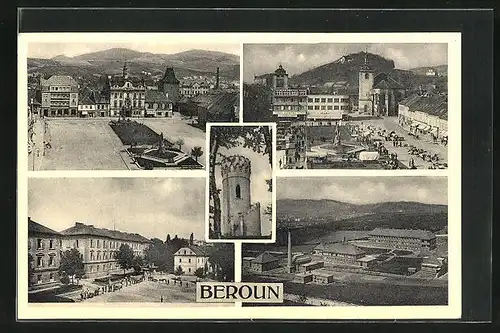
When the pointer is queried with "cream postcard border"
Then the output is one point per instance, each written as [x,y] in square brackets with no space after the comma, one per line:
[129,311]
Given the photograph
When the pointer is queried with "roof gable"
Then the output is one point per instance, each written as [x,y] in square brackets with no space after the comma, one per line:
[264,258]
[37,228]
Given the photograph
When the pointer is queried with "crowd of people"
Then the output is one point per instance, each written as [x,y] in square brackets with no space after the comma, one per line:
[93,290]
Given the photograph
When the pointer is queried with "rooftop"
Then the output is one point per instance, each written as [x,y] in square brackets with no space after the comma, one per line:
[198,250]
[156,96]
[341,248]
[265,258]
[84,229]
[37,228]
[59,80]
[407,233]
[436,105]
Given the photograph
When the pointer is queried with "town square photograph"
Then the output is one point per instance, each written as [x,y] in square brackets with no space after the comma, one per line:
[240,182]
[357,241]
[349,105]
[140,104]
[126,240]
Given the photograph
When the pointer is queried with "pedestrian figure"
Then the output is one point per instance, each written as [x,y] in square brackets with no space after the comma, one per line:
[161,299]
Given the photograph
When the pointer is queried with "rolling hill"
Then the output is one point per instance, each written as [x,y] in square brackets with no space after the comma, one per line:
[187,63]
[442,69]
[347,68]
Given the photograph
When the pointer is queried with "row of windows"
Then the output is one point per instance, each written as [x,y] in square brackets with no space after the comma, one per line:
[290,107]
[41,243]
[64,88]
[39,278]
[198,260]
[51,262]
[107,266]
[327,100]
[110,244]
[328,107]
[134,95]
[135,103]
[103,256]
[155,105]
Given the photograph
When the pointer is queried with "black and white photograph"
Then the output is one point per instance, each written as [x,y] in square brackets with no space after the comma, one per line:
[125,240]
[139,105]
[240,184]
[351,106]
[357,241]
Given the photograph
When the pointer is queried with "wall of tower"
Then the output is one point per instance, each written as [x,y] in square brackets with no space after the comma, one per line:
[365,86]
[173,91]
[235,172]
[250,221]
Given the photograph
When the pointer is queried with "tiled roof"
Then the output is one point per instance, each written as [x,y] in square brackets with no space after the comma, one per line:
[217,102]
[388,83]
[264,258]
[436,105]
[407,233]
[37,228]
[120,81]
[156,96]
[342,248]
[84,229]
[59,80]
[87,98]
[198,250]
[169,77]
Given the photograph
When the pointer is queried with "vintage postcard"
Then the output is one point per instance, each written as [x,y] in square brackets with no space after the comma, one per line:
[132,105]
[350,105]
[240,182]
[284,176]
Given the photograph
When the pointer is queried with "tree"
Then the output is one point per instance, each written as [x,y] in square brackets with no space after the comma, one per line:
[179,142]
[221,257]
[199,272]
[125,257]
[30,269]
[137,263]
[257,138]
[168,239]
[178,271]
[71,265]
[191,239]
[196,152]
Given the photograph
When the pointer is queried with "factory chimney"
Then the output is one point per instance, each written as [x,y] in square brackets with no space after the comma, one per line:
[217,79]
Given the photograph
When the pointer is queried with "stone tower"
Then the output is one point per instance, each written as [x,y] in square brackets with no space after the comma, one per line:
[170,85]
[125,71]
[239,216]
[280,78]
[365,86]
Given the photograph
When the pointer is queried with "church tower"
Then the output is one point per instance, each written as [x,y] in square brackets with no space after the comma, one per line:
[280,78]
[240,217]
[125,71]
[365,86]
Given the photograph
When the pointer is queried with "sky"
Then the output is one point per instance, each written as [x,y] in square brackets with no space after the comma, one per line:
[260,171]
[50,50]
[151,207]
[365,190]
[298,58]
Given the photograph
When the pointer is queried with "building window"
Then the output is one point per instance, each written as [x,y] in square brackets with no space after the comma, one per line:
[91,243]
[322,107]
[39,278]
[367,76]
[330,100]
[238,192]
[309,107]
[98,243]
[77,243]
[39,261]
[316,107]
[39,244]
[336,107]
[180,259]
[323,100]
[189,260]
[51,261]
[330,107]
[189,270]
[51,277]
[310,100]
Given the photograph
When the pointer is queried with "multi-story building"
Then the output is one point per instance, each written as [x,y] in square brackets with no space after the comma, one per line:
[425,114]
[99,246]
[86,105]
[127,95]
[190,258]
[288,104]
[403,239]
[158,104]
[59,96]
[339,253]
[44,247]
[326,108]
[193,89]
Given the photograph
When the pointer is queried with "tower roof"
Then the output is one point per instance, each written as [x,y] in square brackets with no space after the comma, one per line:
[235,163]
[169,76]
[366,67]
[280,71]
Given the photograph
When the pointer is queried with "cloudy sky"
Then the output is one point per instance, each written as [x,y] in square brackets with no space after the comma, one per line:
[50,50]
[365,190]
[260,171]
[297,58]
[152,207]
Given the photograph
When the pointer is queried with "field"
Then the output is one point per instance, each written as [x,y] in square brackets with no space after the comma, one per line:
[82,144]
[134,133]
[366,293]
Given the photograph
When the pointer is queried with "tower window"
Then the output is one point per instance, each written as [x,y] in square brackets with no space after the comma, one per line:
[366,76]
[238,192]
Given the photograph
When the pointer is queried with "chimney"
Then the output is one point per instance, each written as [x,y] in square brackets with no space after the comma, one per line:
[217,79]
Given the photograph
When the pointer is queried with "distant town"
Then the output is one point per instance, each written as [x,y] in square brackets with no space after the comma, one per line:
[135,119]
[357,112]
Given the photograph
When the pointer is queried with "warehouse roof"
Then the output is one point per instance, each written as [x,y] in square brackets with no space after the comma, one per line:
[264,258]
[404,233]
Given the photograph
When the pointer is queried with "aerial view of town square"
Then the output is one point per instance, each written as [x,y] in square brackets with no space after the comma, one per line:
[100,240]
[344,241]
[127,106]
[351,106]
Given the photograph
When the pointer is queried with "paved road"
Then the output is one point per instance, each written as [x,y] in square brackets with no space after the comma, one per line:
[391,124]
